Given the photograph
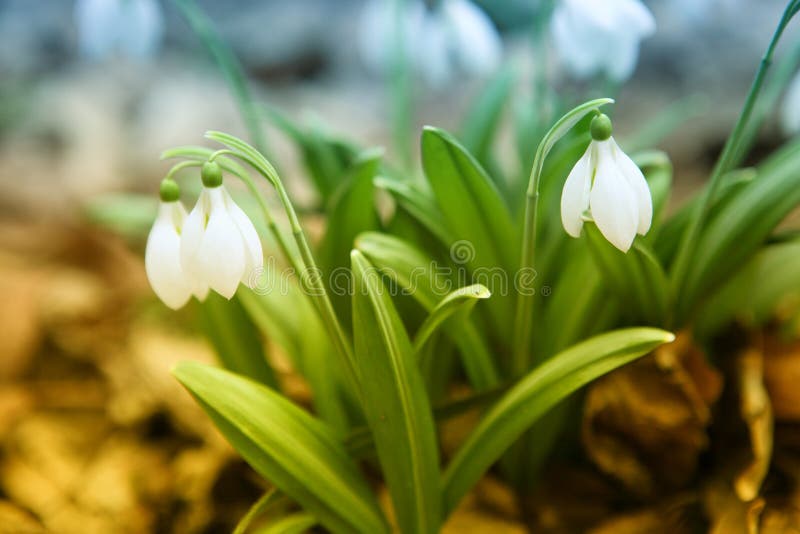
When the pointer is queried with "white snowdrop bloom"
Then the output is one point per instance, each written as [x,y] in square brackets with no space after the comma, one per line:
[453,37]
[607,187]
[133,28]
[790,111]
[162,254]
[593,37]
[219,244]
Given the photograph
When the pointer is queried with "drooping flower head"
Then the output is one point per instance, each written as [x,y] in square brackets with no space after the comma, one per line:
[451,37]
[162,254]
[133,28]
[219,245]
[606,187]
[600,37]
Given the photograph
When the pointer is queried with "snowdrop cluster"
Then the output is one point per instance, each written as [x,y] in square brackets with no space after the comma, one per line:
[606,187]
[214,247]
[452,37]
[132,28]
[600,37]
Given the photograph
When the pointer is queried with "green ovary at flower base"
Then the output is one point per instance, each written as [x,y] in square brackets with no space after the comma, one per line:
[215,247]
[607,187]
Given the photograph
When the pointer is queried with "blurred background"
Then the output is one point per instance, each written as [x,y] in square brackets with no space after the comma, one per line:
[95,436]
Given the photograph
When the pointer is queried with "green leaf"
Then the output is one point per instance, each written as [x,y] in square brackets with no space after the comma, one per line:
[291,524]
[535,394]
[477,215]
[420,204]
[635,277]
[396,403]
[235,338]
[326,157]
[480,126]
[740,228]
[287,446]
[415,274]
[460,300]
[286,317]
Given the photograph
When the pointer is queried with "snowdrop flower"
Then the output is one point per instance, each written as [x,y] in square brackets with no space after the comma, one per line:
[452,37]
[593,37]
[607,187]
[790,112]
[130,27]
[162,255]
[219,244]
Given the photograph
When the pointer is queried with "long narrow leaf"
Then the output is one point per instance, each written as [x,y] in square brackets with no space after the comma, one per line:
[535,394]
[396,403]
[287,446]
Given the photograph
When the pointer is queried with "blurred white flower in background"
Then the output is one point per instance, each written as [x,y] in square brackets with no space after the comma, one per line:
[600,37]
[132,28]
[453,37]
[790,111]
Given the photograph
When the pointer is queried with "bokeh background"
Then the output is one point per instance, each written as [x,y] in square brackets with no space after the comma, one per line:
[95,435]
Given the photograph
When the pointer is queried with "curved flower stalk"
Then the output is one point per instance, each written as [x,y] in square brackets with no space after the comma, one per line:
[594,37]
[607,187]
[219,245]
[133,28]
[452,37]
[162,254]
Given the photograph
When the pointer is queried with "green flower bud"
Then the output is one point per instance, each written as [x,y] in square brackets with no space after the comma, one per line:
[601,127]
[169,191]
[211,174]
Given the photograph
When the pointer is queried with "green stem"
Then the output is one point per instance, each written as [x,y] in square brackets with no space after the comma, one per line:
[726,160]
[180,166]
[310,276]
[230,67]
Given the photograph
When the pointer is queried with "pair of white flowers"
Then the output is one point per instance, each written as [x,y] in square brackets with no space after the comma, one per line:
[607,187]
[214,247]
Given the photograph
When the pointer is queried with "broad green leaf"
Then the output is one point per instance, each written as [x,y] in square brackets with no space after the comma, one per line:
[235,338]
[480,126]
[396,403]
[534,395]
[740,228]
[420,204]
[350,211]
[478,217]
[300,455]
[635,278]
[416,275]
[460,300]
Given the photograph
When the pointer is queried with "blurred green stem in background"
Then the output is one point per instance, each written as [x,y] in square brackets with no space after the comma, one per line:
[230,67]
[730,156]
[401,87]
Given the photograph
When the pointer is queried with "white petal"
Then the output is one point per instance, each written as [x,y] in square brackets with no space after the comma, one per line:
[191,239]
[162,258]
[638,183]
[253,253]
[141,28]
[476,43]
[221,255]
[575,195]
[96,22]
[612,202]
